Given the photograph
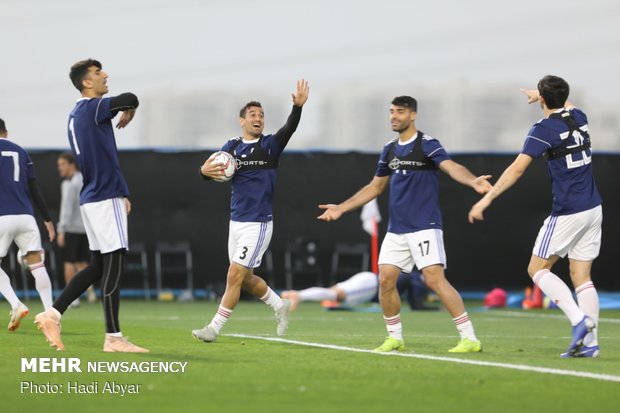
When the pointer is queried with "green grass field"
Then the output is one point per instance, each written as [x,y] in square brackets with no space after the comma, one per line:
[241,374]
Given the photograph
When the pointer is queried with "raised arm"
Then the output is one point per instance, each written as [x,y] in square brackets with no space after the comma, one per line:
[508,179]
[363,196]
[463,176]
[533,95]
[299,99]
[126,103]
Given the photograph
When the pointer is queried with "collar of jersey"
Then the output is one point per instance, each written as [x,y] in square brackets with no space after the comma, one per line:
[80,99]
[250,142]
[408,141]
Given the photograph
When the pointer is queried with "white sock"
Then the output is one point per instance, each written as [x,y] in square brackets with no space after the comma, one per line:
[587,297]
[465,327]
[558,291]
[317,294]
[272,299]
[220,318]
[394,326]
[42,283]
[56,312]
[7,290]
[119,334]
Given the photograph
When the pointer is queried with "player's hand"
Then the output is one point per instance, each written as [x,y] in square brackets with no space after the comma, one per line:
[60,239]
[301,95]
[482,184]
[126,117]
[332,212]
[128,205]
[50,230]
[212,169]
[532,95]
[476,212]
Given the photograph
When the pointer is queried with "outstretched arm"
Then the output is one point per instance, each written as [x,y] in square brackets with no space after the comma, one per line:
[508,179]
[299,99]
[363,196]
[533,95]
[463,176]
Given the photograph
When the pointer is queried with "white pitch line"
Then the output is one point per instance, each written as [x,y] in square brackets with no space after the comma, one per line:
[539,315]
[522,367]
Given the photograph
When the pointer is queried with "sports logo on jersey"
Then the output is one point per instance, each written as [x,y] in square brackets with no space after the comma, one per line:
[241,163]
[396,163]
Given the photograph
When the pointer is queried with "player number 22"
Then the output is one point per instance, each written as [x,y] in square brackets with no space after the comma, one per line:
[421,245]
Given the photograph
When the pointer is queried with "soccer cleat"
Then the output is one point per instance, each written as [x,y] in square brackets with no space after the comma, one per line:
[579,332]
[206,334]
[467,346]
[583,351]
[293,297]
[91,295]
[49,324]
[282,317]
[17,315]
[121,345]
[390,344]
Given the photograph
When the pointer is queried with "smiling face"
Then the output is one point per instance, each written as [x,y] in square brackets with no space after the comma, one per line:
[401,118]
[253,122]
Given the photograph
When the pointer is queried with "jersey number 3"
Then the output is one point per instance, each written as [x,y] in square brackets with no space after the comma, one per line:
[15,156]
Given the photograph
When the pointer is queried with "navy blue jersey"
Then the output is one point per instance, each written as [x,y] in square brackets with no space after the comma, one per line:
[252,189]
[572,181]
[16,169]
[91,137]
[414,194]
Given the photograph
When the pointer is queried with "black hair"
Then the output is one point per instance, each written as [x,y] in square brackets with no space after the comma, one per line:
[406,102]
[2,126]
[68,156]
[554,90]
[79,71]
[248,105]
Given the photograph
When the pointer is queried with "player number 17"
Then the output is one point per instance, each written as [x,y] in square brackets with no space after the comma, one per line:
[421,245]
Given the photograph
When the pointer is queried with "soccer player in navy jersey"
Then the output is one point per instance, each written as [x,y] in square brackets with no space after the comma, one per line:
[415,237]
[19,189]
[574,226]
[251,218]
[103,202]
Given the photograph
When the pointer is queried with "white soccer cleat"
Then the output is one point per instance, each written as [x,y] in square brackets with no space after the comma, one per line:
[17,316]
[206,334]
[121,345]
[282,317]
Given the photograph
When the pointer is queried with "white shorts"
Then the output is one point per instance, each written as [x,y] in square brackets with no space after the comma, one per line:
[578,235]
[361,288]
[19,228]
[421,248]
[106,225]
[248,241]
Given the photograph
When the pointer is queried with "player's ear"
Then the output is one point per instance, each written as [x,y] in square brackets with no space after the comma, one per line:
[413,115]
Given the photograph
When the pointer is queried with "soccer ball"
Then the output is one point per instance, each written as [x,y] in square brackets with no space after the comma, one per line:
[228,162]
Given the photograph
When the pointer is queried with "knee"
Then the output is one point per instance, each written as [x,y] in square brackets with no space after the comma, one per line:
[434,277]
[386,282]
[236,275]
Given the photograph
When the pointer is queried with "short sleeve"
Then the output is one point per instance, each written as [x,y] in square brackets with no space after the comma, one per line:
[102,110]
[435,151]
[536,143]
[382,166]
[271,146]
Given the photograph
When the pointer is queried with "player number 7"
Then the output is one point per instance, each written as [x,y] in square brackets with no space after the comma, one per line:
[15,156]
